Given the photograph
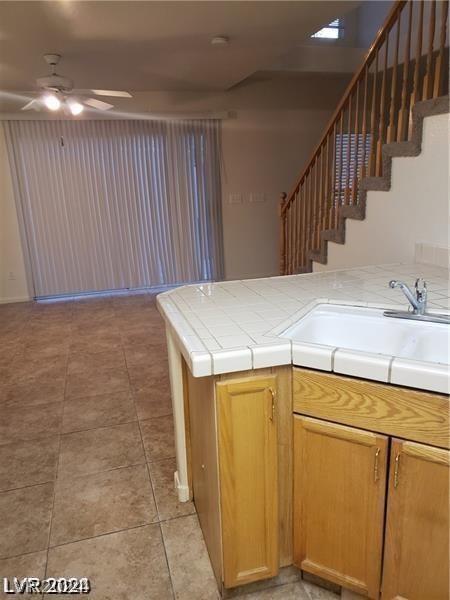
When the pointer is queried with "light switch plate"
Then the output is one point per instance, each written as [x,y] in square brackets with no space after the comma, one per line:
[235,198]
[257,197]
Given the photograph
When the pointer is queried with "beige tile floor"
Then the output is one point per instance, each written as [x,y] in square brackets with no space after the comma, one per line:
[87,455]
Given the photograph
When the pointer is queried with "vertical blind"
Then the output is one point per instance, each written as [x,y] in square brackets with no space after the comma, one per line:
[116,204]
[351,152]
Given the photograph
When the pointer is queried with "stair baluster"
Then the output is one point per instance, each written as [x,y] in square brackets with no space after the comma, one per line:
[377,108]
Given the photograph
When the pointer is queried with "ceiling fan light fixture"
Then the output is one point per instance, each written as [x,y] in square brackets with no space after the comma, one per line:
[52,102]
[75,107]
[220,40]
[112,93]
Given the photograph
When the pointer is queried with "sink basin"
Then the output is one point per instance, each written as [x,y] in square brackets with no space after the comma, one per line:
[367,330]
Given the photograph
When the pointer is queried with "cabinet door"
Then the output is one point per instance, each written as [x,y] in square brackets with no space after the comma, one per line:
[248,479]
[417,531]
[339,494]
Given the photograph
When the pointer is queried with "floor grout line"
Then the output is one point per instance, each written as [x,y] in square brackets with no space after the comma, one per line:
[127,422]
[153,491]
[93,537]
[25,487]
[167,560]
[56,475]
[106,533]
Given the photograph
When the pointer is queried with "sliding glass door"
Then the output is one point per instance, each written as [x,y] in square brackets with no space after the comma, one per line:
[113,204]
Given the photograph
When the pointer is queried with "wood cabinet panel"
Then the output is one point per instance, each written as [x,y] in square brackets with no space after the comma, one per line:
[204,465]
[416,563]
[339,494]
[285,463]
[394,411]
[248,479]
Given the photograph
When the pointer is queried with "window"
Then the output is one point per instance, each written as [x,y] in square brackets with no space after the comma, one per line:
[351,152]
[331,32]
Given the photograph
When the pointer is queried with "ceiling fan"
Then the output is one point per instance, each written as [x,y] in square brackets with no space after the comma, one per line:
[57,92]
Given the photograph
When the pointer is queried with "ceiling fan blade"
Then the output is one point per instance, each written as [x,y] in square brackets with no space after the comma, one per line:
[32,105]
[98,104]
[112,93]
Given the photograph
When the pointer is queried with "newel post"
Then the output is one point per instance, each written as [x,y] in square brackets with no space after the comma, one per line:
[282,215]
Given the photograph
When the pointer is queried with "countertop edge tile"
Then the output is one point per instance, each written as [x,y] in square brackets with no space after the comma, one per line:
[312,356]
[364,365]
[430,376]
[273,354]
[200,364]
[231,360]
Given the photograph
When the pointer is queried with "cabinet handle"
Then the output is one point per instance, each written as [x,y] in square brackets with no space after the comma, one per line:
[396,469]
[272,394]
[375,466]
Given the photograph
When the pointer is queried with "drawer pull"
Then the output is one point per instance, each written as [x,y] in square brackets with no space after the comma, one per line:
[375,466]
[396,470]
[272,393]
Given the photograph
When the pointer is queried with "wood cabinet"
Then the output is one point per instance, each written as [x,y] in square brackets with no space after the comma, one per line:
[339,492]
[240,449]
[353,524]
[298,466]
[416,563]
[248,479]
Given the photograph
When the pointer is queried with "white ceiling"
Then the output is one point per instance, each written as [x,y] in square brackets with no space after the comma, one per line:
[153,45]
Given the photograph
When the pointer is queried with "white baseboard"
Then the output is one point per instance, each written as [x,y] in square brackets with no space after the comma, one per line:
[15,299]
[182,490]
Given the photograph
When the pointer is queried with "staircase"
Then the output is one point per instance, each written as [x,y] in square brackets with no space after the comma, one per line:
[404,78]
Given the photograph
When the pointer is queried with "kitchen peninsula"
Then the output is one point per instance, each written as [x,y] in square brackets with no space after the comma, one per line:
[316,455]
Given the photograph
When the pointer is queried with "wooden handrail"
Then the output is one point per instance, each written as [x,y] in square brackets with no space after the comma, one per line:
[389,21]
[282,233]
[375,109]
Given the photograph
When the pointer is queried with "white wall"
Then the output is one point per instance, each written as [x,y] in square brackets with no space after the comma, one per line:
[13,284]
[415,210]
[263,153]
[369,18]
[276,126]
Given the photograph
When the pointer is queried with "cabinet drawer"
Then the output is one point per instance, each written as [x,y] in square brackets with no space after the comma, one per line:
[401,412]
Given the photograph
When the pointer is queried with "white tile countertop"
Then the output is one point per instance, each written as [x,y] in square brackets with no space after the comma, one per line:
[236,325]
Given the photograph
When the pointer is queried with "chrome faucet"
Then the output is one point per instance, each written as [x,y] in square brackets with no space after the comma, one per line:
[418,300]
